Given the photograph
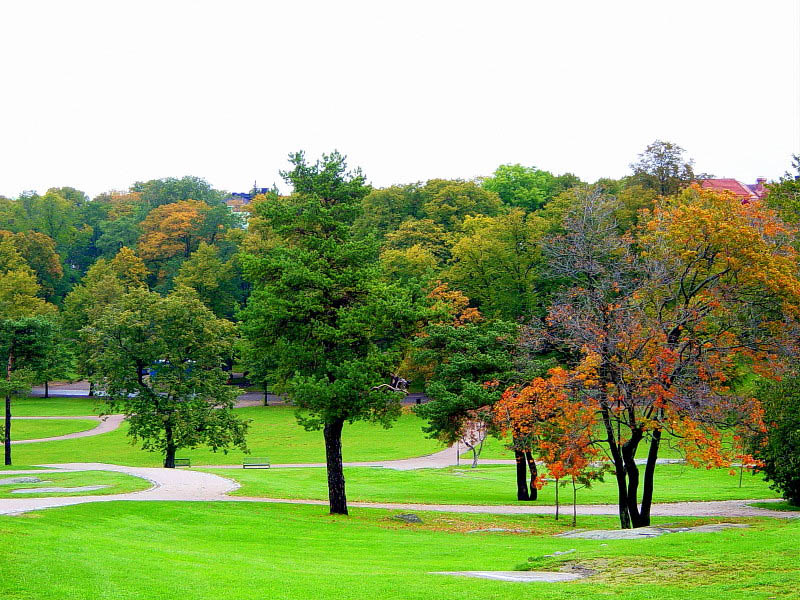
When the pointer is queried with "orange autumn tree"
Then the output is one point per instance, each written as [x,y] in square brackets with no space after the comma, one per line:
[554,417]
[707,291]
[172,230]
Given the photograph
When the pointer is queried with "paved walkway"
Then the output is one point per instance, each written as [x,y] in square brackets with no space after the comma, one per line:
[187,486]
[104,425]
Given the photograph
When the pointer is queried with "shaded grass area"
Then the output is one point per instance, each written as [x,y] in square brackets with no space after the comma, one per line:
[488,485]
[777,506]
[32,430]
[119,483]
[220,551]
[274,433]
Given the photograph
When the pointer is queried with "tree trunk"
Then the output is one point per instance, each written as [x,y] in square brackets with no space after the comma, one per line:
[7,435]
[266,394]
[7,431]
[556,499]
[649,471]
[522,483]
[46,390]
[333,455]
[534,474]
[91,388]
[632,473]
[574,503]
[169,457]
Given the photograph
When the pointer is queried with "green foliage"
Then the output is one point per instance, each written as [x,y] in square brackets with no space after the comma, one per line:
[784,196]
[157,192]
[527,187]
[463,360]
[779,446]
[212,279]
[497,263]
[661,167]
[159,361]
[321,319]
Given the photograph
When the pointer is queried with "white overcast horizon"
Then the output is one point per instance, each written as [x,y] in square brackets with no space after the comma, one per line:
[98,95]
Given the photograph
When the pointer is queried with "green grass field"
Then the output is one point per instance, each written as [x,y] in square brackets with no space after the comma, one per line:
[119,483]
[225,551]
[274,433]
[32,430]
[485,485]
[55,407]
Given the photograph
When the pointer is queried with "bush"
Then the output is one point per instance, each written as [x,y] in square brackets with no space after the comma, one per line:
[779,447]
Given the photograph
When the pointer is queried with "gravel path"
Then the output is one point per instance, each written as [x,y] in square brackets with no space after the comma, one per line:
[188,486]
[104,425]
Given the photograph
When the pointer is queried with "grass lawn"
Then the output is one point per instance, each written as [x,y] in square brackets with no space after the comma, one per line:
[274,433]
[494,484]
[56,407]
[225,551]
[494,448]
[777,506]
[119,483]
[32,430]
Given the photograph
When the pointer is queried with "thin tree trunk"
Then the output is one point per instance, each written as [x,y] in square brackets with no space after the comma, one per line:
[91,388]
[574,504]
[556,499]
[169,457]
[522,483]
[534,474]
[7,434]
[266,394]
[46,390]
[337,498]
[7,431]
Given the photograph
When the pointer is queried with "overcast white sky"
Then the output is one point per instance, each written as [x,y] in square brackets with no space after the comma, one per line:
[97,95]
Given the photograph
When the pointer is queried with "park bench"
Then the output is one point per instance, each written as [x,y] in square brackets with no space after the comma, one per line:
[255,463]
[183,462]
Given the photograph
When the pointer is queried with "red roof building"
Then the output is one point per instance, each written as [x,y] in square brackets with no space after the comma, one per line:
[747,193]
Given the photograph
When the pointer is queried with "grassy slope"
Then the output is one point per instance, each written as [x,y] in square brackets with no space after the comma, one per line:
[32,430]
[484,485]
[119,484]
[274,433]
[221,551]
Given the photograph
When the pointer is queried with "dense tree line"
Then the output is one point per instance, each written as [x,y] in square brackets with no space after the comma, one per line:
[521,303]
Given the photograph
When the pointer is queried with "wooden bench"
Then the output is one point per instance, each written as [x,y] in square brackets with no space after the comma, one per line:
[256,463]
[183,462]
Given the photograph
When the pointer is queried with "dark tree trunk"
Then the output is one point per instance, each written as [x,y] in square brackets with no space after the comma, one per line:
[91,389]
[333,455]
[7,431]
[266,394]
[522,482]
[649,471]
[7,434]
[534,474]
[46,390]
[169,457]
[557,507]
[632,472]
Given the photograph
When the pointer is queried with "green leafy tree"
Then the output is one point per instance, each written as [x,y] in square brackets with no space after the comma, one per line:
[212,279]
[778,448]
[497,263]
[321,318]
[467,362]
[661,167]
[24,342]
[159,361]
[527,187]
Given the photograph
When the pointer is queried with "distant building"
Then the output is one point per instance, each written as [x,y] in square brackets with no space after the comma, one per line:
[745,192]
[238,200]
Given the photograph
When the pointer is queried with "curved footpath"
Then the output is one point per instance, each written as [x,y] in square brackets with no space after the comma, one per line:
[187,486]
[104,425]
